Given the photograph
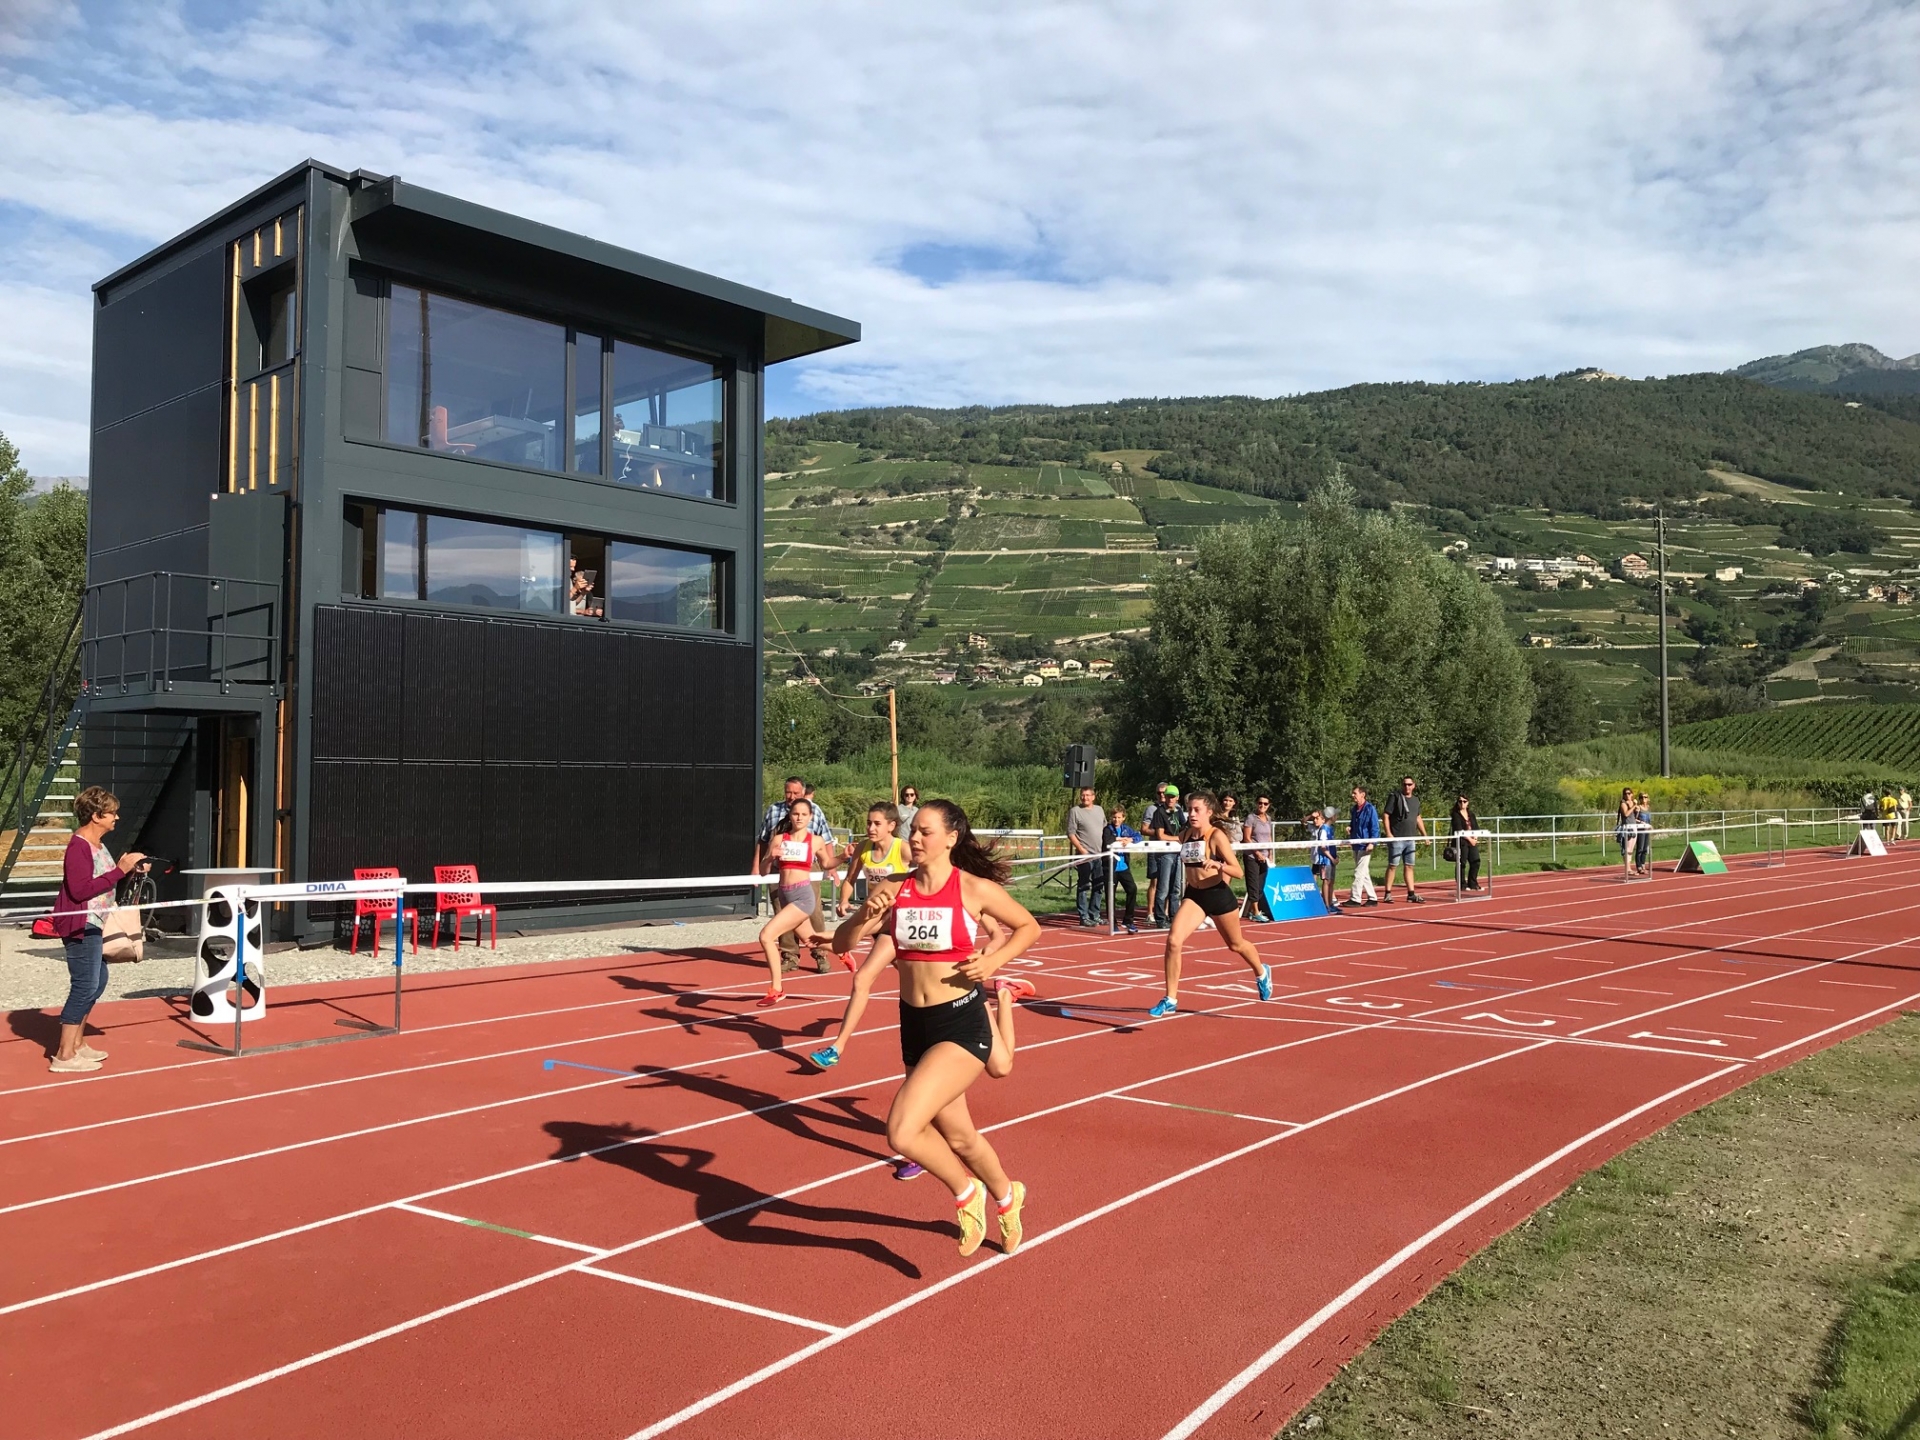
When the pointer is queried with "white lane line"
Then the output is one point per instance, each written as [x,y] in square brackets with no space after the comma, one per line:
[733,1115]
[706,1299]
[499,1229]
[1301,1332]
[1609,1004]
[72,1084]
[1843,1025]
[1209,1110]
[767,1372]
[1857,984]
[400,1327]
[1631,990]
[1756,1019]
[1782,1005]
[317,1085]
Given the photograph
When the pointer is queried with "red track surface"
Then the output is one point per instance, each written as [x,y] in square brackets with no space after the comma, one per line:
[431,1235]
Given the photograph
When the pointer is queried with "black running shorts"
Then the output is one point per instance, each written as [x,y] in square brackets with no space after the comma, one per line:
[962,1021]
[1215,900]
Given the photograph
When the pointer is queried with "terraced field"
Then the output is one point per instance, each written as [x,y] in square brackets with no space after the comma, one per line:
[1881,734]
[1052,552]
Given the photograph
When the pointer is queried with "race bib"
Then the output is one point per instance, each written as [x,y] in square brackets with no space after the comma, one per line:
[796,852]
[923,927]
[1194,852]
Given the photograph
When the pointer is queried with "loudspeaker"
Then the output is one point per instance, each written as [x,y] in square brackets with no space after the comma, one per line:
[1077,769]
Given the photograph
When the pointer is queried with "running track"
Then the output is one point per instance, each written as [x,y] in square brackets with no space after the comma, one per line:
[433,1235]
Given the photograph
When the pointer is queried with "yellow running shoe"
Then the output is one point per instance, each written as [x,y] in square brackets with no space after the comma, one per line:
[972,1215]
[1011,1230]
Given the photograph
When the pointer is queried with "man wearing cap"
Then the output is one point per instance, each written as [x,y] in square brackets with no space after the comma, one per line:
[1164,821]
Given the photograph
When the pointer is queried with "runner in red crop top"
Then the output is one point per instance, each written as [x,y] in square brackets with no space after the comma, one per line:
[945,1037]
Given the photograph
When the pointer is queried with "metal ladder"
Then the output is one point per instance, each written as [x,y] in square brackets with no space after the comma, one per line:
[30,873]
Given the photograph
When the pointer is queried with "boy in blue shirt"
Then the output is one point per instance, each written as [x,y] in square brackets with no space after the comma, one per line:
[1324,857]
[1118,836]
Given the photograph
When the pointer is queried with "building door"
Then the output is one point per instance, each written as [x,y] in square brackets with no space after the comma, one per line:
[233,797]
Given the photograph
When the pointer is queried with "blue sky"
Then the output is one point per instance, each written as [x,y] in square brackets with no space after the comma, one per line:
[1044,202]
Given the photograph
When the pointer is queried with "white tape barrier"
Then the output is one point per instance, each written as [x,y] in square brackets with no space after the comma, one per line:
[322,891]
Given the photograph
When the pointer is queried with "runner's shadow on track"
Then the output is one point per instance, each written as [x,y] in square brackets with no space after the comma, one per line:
[732,1209]
[1120,1019]
[798,1118]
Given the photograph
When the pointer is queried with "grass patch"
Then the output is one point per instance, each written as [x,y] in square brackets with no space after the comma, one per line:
[1750,1270]
[1872,1384]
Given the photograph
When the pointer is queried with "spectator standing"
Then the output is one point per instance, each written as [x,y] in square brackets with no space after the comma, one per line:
[1465,847]
[1147,819]
[1085,822]
[1363,827]
[1906,812]
[908,807]
[1869,811]
[1889,814]
[1405,829]
[87,880]
[1259,830]
[1643,833]
[1166,823]
[1623,829]
[1119,837]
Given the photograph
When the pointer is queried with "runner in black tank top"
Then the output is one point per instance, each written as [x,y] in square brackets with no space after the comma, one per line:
[1211,861]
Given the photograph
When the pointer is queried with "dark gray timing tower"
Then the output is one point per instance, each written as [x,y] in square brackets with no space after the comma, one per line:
[421,533]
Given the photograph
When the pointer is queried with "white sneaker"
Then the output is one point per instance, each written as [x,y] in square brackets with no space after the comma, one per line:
[78,1065]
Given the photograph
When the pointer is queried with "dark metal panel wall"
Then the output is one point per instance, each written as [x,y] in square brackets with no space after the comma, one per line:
[536,751]
[151,474]
[160,340]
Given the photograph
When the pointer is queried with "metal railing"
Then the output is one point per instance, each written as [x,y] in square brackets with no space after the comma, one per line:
[162,630]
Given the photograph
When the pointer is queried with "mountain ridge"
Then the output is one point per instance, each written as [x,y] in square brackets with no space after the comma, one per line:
[1854,368]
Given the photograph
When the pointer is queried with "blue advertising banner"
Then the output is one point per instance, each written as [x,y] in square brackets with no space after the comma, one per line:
[1292,893]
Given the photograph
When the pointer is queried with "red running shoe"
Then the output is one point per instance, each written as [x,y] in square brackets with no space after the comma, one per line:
[772,997]
[1021,988]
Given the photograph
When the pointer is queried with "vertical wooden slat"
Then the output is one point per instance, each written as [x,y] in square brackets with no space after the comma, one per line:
[273,430]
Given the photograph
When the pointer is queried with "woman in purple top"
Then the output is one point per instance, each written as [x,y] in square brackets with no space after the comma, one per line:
[87,882]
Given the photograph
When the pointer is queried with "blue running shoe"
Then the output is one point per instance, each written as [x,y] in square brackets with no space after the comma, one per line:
[826,1059]
[1266,982]
[1165,1008]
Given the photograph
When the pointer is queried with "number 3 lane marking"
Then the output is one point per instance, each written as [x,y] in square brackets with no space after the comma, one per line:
[1503,1020]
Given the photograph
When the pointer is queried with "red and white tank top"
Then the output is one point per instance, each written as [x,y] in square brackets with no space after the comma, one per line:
[795,852]
[933,928]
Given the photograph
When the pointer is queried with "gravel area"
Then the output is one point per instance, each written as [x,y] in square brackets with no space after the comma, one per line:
[33,973]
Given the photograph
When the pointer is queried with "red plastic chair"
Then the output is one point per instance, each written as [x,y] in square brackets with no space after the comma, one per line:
[462,903]
[378,908]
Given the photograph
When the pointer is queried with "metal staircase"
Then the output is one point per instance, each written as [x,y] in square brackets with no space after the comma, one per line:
[40,783]
[42,825]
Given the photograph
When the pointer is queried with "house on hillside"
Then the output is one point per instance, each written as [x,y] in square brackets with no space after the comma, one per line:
[1033,681]
[896,647]
[1635,567]
[1729,572]
[1540,642]
[1048,671]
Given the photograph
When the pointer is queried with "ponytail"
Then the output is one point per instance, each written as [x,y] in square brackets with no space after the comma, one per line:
[968,853]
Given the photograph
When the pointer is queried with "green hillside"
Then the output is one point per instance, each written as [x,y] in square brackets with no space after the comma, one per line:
[1589,444]
[1886,735]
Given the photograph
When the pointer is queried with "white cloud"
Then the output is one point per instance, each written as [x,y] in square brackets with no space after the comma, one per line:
[1233,197]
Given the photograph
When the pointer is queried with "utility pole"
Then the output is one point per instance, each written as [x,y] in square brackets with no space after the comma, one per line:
[893,742]
[1666,758]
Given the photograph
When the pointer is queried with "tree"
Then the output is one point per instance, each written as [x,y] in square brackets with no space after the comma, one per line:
[1315,656]
[796,729]
[1562,705]
[43,560]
